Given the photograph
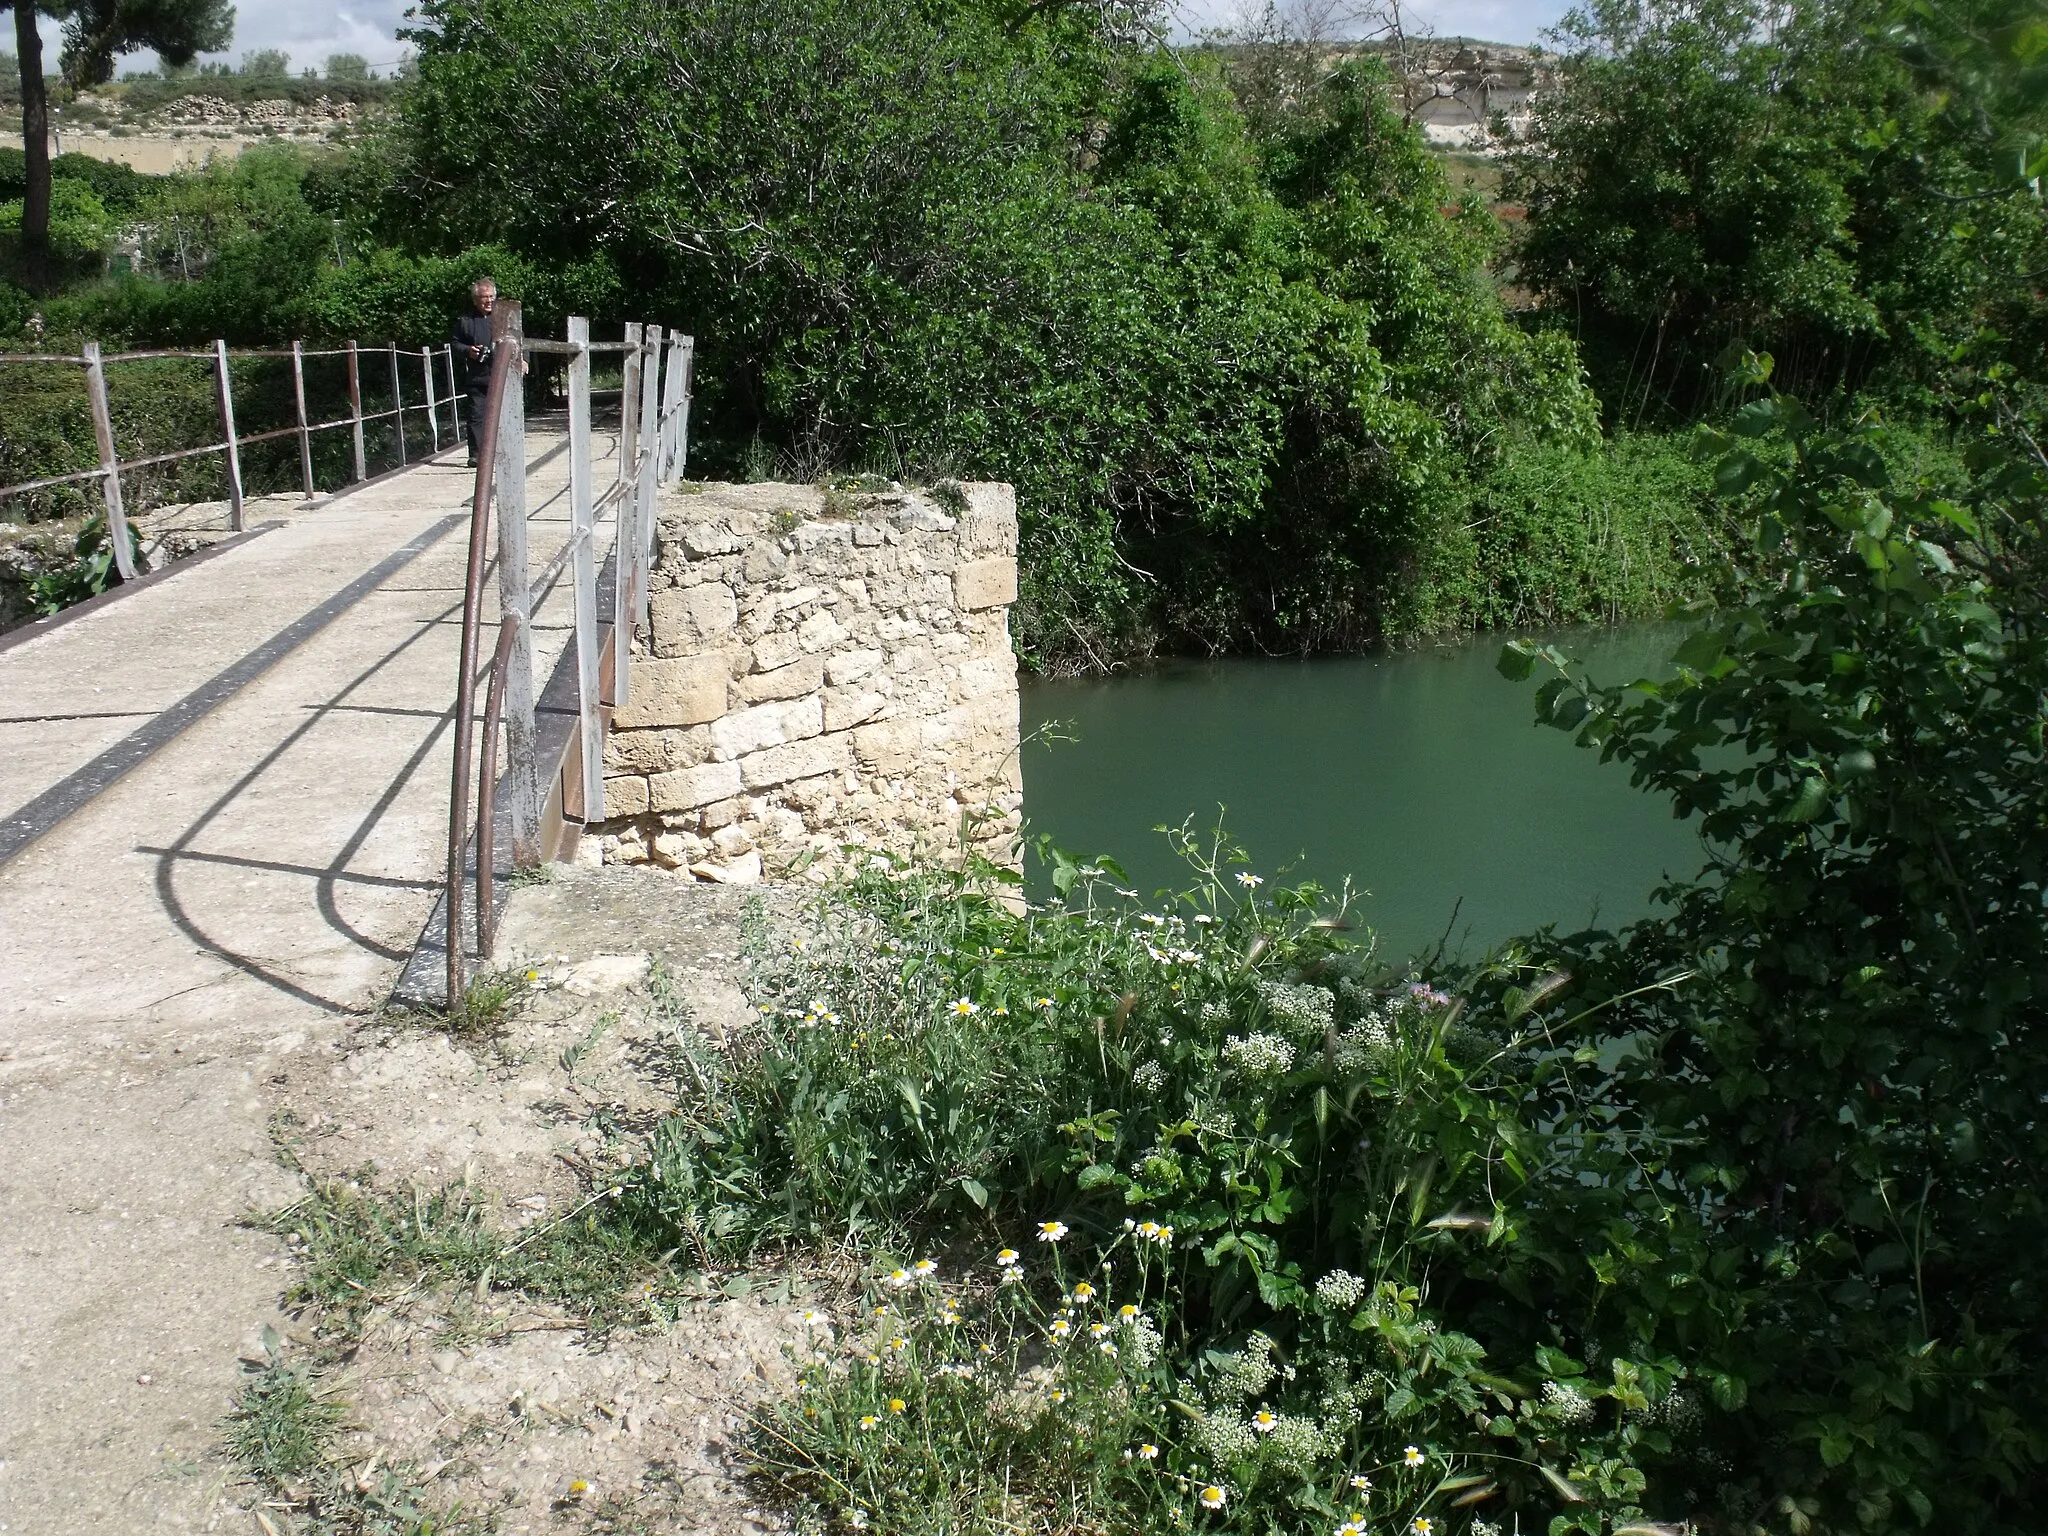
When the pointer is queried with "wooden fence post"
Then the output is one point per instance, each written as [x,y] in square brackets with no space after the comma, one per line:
[625,535]
[584,564]
[227,423]
[397,404]
[650,465]
[433,415]
[515,599]
[110,468]
[355,410]
[299,396]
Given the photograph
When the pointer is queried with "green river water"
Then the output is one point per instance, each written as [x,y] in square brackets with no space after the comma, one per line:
[1419,775]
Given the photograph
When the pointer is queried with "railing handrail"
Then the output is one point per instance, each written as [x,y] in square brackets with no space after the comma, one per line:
[652,450]
[111,466]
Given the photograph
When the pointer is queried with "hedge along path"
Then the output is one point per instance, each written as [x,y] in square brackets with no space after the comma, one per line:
[222,794]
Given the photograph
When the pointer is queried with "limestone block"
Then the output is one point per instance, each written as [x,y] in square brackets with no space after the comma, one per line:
[689,619]
[887,747]
[687,788]
[851,666]
[986,583]
[797,760]
[765,562]
[848,707]
[820,632]
[680,690]
[625,795]
[989,525]
[799,677]
[767,725]
[744,870]
[720,813]
[731,842]
[855,589]
[773,652]
[866,536]
[984,675]
[704,540]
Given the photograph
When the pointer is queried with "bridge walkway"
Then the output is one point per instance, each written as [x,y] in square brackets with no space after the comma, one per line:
[225,800]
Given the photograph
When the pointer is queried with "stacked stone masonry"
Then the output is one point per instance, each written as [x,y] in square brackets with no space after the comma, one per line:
[823,670]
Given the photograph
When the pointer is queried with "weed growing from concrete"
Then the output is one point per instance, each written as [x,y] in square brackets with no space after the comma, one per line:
[485,1006]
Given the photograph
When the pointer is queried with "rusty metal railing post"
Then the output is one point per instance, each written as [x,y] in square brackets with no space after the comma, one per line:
[355,412]
[227,426]
[465,689]
[583,565]
[299,398]
[487,791]
[515,593]
[110,465]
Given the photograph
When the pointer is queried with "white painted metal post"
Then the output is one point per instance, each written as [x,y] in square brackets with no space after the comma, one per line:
[682,456]
[583,562]
[671,404]
[355,410]
[625,535]
[110,467]
[515,600]
[649,467]
[433,413]
[397,404]
[299,397]
[227,423]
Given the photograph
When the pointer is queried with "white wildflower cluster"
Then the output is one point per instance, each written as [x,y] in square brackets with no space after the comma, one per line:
[1259,1055]
[1298,1006]
[1250,1371]
[1141,1341]
[1678,1412]
[1360,1045]
[1485,1528]
[1149,1078]
[1226,1437]
[1295,1441]
[1340,1288]
[1215,1015]
[1566,1403]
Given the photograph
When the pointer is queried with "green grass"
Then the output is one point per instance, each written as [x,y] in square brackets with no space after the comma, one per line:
[282,1426]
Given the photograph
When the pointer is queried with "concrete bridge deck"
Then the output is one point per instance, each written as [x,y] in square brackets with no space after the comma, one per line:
[223,813]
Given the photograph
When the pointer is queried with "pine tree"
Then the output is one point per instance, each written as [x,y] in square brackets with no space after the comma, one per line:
[96,33]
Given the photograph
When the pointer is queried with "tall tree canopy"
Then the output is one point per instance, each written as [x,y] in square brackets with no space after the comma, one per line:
[96,33]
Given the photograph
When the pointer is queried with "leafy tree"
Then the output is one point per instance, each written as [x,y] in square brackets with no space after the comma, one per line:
[96,32]
[351,67]
[266,63]
[1717,174]
[1238,388]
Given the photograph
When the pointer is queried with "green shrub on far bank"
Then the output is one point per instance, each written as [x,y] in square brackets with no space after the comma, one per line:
[1555,534]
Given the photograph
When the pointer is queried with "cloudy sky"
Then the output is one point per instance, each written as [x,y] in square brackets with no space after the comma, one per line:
[309,32]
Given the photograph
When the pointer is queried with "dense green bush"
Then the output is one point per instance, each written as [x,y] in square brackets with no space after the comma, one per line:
[1237,378]
[1294,1192]
[1852,1050]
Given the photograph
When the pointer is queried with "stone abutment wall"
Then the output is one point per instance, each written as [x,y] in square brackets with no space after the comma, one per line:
[823,669]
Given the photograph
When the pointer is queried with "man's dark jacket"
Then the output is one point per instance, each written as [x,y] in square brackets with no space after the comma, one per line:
[471,330]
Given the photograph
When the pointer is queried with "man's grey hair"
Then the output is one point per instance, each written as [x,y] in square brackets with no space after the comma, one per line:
[486,281]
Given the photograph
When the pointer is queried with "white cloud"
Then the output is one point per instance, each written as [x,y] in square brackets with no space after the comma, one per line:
[309,33]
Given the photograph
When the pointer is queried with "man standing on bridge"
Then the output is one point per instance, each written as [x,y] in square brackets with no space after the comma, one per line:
[471,339]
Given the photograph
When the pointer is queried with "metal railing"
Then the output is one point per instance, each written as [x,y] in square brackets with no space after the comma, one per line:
[111,466]
[554,785]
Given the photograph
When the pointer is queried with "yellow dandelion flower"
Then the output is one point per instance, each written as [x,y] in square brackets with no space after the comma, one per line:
[897,1405]
[578,1487]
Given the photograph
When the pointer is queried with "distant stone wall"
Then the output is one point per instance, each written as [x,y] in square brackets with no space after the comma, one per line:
[822,669]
